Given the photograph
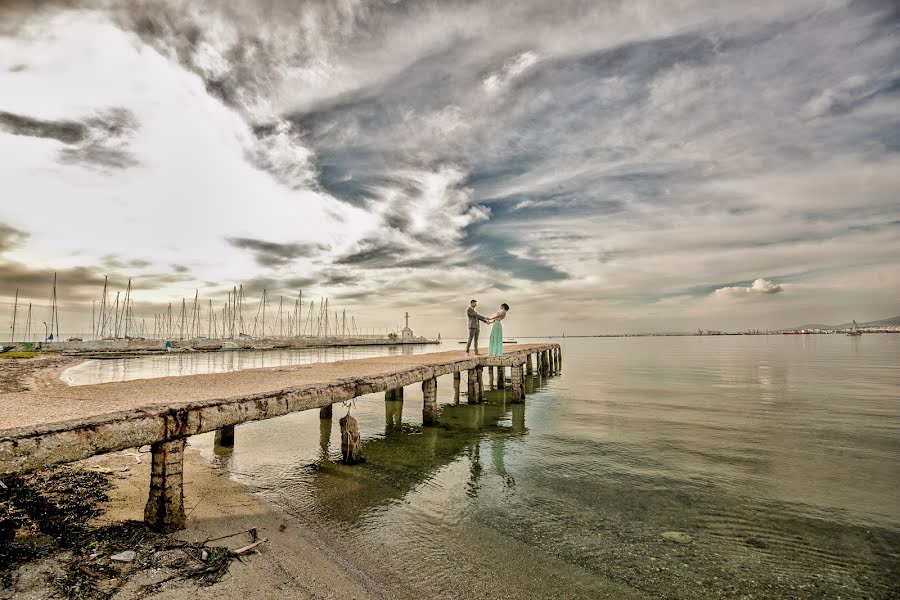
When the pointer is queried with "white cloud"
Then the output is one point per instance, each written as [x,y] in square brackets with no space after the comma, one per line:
[760,287]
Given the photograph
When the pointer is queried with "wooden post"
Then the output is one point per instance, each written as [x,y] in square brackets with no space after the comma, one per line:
[224,437]
[501,378]
[351,440]
[529,368]
[325,412]
[470,382]
[165,507]
[429,398]
[517,383]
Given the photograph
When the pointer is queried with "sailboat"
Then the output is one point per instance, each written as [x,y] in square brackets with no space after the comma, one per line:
[854,331]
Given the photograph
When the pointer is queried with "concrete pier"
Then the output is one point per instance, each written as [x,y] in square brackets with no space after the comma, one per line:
[501,378]
[57,423]
[529,368]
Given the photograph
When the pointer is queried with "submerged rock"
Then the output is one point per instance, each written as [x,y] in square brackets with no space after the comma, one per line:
[679,537]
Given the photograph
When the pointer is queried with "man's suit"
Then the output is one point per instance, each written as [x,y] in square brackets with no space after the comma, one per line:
[474,327]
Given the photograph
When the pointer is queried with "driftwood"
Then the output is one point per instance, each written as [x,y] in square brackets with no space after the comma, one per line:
[351,441]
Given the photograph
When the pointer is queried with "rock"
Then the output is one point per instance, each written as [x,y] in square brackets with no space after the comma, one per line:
[126,556]
[679,537]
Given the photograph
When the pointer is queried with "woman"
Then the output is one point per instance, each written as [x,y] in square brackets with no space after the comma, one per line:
[496,346]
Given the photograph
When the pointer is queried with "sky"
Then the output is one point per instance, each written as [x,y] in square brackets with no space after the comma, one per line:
[602,167]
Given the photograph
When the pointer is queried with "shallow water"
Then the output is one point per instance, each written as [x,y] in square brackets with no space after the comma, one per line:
[777,456]
[193,363]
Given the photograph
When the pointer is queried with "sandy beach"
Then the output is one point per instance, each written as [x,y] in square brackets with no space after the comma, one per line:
[292,562]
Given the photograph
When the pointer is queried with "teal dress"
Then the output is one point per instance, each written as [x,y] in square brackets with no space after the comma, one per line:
[496,346]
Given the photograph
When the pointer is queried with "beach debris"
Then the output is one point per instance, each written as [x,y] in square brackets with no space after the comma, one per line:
[248,547]
[351,441]
[679,537]
[124,556]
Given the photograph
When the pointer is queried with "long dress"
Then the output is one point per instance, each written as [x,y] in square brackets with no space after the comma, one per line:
[496,346]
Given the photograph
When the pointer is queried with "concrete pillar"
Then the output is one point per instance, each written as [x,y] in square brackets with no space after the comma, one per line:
[501,378]
[325,412]
[479,383]
[471,386]
[517,383]
[490,377]
[559,357]
[165,506]
[324,437]
[456,385]
[529,368]
[224,437]
[429,401]
[394,394]
[545,362]
[393,414]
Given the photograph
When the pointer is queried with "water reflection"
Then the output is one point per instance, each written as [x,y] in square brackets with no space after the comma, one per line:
[408,456]
[175,364]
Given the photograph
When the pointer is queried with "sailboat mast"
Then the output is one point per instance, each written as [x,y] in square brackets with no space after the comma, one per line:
[15,310]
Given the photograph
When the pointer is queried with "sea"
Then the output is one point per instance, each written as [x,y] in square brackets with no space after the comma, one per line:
[649,467]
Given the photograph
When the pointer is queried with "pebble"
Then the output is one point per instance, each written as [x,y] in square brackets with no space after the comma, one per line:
[679,537]
[126,556]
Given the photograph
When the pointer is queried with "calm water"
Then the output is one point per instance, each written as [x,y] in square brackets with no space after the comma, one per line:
[779,456]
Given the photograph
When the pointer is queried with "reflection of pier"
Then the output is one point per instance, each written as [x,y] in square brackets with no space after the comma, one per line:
[409,455]
[64,424]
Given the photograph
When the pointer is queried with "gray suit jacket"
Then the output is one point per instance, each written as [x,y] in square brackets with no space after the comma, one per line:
[474,317]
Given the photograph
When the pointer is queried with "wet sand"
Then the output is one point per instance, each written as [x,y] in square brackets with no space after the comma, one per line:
[293,563]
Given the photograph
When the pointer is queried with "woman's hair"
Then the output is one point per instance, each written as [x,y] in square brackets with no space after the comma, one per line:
[504,306]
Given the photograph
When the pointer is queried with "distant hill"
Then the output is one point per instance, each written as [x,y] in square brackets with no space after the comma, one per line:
[891,322]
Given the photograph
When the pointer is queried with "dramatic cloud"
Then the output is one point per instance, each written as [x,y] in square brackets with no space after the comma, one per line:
[760,287]
[272,254]
[600,165]
[10,237]
[100,140]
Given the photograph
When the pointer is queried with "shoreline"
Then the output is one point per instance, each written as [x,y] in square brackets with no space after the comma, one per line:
[293,561]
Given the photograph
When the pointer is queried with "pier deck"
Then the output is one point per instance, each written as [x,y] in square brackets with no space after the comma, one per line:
[54,423]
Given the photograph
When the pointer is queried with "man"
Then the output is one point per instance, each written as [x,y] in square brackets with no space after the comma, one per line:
[474,325]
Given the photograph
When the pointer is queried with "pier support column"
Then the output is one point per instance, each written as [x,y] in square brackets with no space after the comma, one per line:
[165,506]
[529,368]
[517,383]
[559,357]
[394,394]
[470,383]
[325,412]
[545,362]
[456,385]
[429,401]
[479,383]
[351,440]
[224,437]
[490,377]
[501,378]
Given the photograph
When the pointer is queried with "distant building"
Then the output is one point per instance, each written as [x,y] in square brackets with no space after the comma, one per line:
[406,334]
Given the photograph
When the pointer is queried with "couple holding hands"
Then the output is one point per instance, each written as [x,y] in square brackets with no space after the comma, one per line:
[495,348]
